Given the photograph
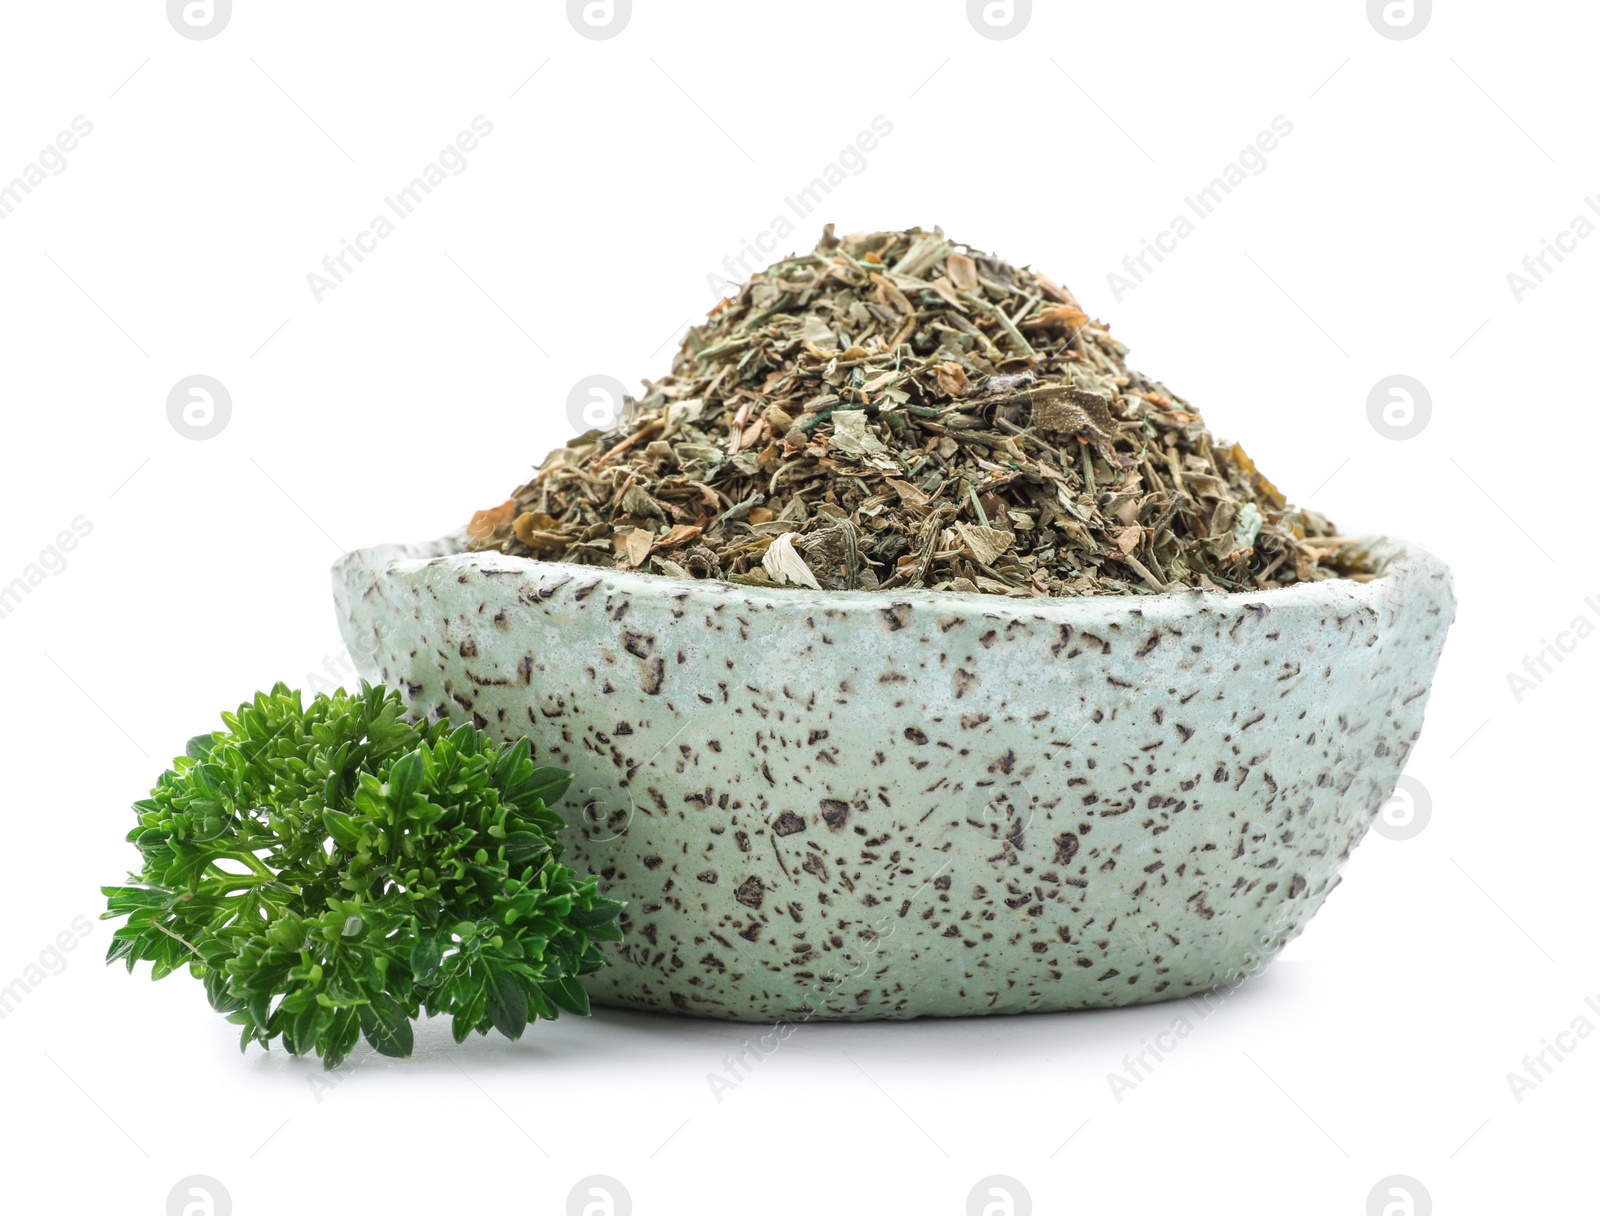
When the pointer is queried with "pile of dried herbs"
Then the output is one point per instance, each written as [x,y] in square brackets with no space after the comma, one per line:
[897,410]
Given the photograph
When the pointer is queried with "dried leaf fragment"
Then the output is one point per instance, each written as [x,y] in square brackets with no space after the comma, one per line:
[963,272]
[538,531]
[1062,316]
[909,494]
[784,565]
[1075,412]
[678,534]
[633,544]
[952,380]
[483,523]
[851,436]
[985,544]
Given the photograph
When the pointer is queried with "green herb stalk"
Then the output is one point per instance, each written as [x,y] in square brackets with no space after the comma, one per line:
[333,870]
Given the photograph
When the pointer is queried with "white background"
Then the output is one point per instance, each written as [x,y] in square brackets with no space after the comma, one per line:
[1378,240]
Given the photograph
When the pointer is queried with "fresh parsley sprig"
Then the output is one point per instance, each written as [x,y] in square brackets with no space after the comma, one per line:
[332,870]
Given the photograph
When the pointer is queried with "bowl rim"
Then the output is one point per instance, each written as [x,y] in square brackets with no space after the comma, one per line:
[1401,564]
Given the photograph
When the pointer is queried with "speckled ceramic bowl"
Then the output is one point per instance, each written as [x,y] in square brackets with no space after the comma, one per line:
[887,805]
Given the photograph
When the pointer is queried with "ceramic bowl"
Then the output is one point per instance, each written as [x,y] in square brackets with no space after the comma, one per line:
[896,804]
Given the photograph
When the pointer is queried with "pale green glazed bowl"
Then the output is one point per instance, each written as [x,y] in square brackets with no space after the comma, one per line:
[897,804]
